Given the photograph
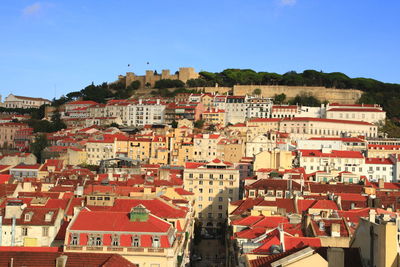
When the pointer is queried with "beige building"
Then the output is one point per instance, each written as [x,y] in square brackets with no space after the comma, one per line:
[273,159]
[214,117]
[214,184]
[378,240]
[14,101]
[302,128]
[205,146]
[231,150]
[98,150]
[8,131]
[371,115]
[35,226]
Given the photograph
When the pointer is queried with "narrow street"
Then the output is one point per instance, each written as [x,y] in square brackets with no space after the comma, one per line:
[212,253]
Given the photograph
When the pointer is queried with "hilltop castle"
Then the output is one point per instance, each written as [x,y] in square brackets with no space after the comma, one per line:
[151,77]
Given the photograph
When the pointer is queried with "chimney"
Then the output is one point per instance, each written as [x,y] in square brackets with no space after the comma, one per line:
[147,190]
[14,209]
[282,237]
[339,201]
[335,257]
[321,225]
[381,183]
[61,261]
[335,230]
[372,215]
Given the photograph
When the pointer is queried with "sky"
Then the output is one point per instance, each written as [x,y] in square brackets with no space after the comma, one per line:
[50,48]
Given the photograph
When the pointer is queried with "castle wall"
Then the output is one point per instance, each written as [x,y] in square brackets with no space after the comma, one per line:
[345,96]
[184,75]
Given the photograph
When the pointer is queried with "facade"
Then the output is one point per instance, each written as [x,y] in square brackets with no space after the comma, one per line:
[151,77]
[8,132]
[29,226]
[302,128]
[371,115]
[14,101]
[146,113]
[214,185]
[214,117]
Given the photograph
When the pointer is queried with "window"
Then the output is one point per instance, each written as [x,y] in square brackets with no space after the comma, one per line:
[200,190]
[201,175]
[221,176]
[230,191]
[74,240]
[135,241]
[210,182]
[231,177]
[200,182]
[200,206]
[210,190]
[24,231]
[219,215]
[210,198]
[221,183]
[98,241]
[27,217]
[115,240]
[190,175]
[45,231]
[220,199]
[156,242]
[211,176]
[220,207]
[210,215]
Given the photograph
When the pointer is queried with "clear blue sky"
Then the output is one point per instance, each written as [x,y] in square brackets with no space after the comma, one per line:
[68,44]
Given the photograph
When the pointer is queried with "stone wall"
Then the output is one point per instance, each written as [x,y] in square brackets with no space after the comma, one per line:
[345,96]
[184,74]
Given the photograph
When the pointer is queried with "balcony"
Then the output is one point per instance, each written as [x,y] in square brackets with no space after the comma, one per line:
[115,249]
[96,248]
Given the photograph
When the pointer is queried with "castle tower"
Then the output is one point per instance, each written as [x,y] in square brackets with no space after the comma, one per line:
[186,74]
[165,74]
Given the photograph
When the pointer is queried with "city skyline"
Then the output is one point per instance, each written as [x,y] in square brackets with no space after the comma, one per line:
[52,48]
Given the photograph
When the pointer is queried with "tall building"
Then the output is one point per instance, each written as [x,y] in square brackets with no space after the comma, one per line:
[214,185]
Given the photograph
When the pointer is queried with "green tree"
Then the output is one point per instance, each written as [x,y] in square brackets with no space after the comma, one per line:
[168,83]
[174,124]
[306,100]
[199,124]
[279,99]
[211,128]
[38,145]
[257,91]
[116,125]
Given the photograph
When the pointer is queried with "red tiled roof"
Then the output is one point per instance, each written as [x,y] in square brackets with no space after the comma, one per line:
[110,221]
[343,139]
[247,221]
[46,257]
[355,110]
[327,120]
[333,154]
[386,161]
[82,102]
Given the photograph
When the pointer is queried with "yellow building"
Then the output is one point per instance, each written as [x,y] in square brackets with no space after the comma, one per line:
[214,184]
[273,159]
[377,239]
[231,150]
[214,117]
[76,156]
[139,149]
